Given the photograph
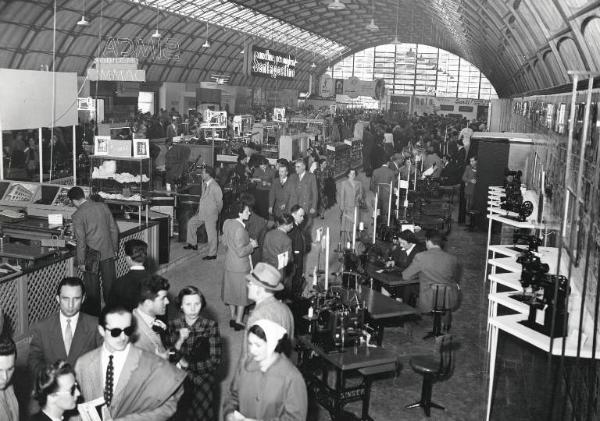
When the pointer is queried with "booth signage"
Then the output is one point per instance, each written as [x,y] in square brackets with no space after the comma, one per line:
[326,87]
[116,69]
[271,63]
[163,49]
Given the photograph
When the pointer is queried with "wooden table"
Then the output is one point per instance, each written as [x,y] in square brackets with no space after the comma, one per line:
[342,362]
[391,280]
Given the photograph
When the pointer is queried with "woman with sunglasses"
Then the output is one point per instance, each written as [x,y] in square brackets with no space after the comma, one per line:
[198,346]
[56,391]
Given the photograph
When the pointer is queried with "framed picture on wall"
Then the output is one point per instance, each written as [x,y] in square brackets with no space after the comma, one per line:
[141,148]
[101,145]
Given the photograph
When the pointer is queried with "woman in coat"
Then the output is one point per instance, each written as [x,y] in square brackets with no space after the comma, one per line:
[237,264]
[198,349]
[351,195]
[277,247]
[267,386]
[300,246]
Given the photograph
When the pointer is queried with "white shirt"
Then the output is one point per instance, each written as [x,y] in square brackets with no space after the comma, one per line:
[137,267]
[301,175]
[63,323]
[52,418]
[409,249]
[119,358]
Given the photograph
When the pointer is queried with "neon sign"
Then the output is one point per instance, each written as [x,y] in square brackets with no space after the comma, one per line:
[270,63]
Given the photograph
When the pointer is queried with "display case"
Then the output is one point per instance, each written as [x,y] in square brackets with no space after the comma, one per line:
[121,181]
[53,199]
[344,155]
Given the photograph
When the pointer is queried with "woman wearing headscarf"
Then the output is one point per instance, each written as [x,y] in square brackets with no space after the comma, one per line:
[267,386]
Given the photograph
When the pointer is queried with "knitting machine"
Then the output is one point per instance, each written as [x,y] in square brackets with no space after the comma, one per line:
[339,320]
[544,292]
[513,200]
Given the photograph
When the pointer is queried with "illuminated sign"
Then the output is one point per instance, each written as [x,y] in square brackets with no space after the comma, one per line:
[161,49]
[270,63]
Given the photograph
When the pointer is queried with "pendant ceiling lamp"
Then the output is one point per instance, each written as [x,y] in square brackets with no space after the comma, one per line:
[372,26]
[206,41]
[83,21]
[156,34]
[336,5]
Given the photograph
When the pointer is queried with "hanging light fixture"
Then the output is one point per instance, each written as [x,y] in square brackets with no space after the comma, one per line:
[336,5]
[83,21]
[313,65]
[156,34]
[206,42]
[372,26]
[396,41]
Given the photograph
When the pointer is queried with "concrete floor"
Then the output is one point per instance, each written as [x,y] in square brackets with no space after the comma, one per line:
[463,395]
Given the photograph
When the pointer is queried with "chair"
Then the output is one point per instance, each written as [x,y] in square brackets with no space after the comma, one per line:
[433,368]
[441,308]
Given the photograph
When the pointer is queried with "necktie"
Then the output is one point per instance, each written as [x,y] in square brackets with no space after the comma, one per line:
[108,384]
[68,336]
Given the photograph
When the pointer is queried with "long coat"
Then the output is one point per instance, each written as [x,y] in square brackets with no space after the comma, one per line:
[280,196]
[237,263]
[306,193]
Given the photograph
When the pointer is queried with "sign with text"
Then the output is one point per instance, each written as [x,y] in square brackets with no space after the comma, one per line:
[120,69]
[156,49]
[271,63]
[326,86]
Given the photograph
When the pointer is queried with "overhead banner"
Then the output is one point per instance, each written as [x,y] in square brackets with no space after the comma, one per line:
[353,87]
[116,69]
[270,63]
[326,87]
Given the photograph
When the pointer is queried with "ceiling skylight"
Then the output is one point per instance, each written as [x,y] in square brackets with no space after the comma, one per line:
[233,16]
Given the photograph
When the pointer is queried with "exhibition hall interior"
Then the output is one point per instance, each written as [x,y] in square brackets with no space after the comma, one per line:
[299,210]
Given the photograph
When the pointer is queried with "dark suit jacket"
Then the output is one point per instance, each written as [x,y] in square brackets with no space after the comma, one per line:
[306,193]
[382,175]
[148,388]
[281,196]
[126,289]
[433,266]
[40,416]
[47,344]
[95,227]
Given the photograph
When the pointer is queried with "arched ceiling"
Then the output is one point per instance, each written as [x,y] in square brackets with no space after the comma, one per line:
[520,45]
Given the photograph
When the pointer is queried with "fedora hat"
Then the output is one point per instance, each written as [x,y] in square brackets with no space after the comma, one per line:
[266,276]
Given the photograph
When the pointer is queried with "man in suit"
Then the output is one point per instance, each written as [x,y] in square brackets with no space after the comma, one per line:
[66,334]
[135,384]
[9,406]
[380,182]
[434,266]
[126,290]
[211,203]
[97,238]
[281,193]
[152,304]
[176,159]
[306,194]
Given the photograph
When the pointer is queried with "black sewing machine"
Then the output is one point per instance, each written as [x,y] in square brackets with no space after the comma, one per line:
[534,275]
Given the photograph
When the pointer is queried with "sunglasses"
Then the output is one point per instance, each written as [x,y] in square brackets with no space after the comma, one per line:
[71,391]
[116,332]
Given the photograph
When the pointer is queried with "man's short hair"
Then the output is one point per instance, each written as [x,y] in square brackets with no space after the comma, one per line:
[150,286]
[239,206]
[435,237]
[136,249]
[210,171]
[70,281]
[111,309]
[248,200]
[301,161]
[46,381]
[75,193]
[7,346]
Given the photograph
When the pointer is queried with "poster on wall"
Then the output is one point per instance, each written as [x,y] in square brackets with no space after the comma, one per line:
[270,63]
[279,114]
[339,86]
[379,89]
[215,119]
[352,87]
[101,145]
[326,87]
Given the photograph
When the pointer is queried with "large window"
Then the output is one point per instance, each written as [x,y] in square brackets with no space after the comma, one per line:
[416,69]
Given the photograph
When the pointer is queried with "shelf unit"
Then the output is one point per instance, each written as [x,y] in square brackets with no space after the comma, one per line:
[122,190]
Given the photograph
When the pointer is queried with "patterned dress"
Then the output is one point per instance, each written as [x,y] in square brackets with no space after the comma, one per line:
[202,350]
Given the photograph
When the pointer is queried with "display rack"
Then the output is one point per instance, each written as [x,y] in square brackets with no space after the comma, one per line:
[342,156]
[124,182]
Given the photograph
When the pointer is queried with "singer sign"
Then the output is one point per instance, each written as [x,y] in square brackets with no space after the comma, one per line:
[270,63]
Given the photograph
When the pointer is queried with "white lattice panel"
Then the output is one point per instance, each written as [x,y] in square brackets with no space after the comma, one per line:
[9,304]
[41,289]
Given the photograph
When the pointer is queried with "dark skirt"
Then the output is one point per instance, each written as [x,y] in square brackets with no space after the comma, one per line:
[197,402]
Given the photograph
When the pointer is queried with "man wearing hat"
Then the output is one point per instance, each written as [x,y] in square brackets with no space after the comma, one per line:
[263,282]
